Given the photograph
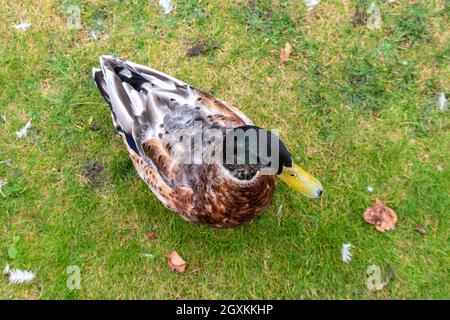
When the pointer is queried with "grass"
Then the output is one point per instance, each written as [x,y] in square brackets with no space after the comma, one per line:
[357,106]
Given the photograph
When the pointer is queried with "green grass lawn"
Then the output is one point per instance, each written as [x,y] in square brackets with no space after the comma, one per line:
[356,106]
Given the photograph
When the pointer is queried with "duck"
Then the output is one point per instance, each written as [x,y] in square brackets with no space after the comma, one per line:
[201,157]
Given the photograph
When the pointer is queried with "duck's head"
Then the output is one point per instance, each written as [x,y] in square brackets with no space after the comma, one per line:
[261,150]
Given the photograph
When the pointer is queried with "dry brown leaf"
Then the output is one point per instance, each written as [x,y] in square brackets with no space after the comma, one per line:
[383,217]
[150,234]
[286,52]
[176,262]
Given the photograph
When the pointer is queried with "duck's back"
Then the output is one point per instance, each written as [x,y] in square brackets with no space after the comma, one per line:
[156,114]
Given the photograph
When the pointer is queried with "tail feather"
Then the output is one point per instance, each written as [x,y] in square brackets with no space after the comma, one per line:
[126,87]
[101,82]
[97,74]
[117,96]
[126,90]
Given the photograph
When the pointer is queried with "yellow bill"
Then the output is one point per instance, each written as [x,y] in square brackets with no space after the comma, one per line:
[301,181]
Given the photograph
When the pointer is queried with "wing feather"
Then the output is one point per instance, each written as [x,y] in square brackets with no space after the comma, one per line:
[149,107]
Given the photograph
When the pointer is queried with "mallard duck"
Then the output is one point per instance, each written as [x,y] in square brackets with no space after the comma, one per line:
[200,156]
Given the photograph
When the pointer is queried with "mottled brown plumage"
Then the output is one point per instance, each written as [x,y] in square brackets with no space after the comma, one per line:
[149,109]
[212,198]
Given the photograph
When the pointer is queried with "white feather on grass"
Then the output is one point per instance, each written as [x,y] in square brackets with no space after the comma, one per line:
[2,184]
[442,101]
[166,5]
[24,26]
[280,211]
[17,276]
[311,4]
[94,35]
[6,162]
[370,189]
[346,254]
[23,132]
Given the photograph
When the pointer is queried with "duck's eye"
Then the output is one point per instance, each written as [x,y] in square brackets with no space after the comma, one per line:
[292,174]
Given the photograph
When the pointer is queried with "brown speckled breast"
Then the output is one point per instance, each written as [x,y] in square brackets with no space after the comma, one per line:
[222,202]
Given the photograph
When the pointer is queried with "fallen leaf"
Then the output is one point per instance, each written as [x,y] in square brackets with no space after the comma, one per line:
[383,217]
[422,230]
[176,262]
[151,235]
[286,52]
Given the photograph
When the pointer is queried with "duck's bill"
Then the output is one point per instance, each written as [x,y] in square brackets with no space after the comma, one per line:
[301,181]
